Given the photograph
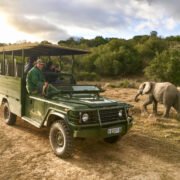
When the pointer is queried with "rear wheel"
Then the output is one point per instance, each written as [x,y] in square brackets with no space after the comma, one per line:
[61,139]
[9,117]
[112,139]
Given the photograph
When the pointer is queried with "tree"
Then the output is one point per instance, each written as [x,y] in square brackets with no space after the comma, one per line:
[154,33]
[2,44]
[148,49]
[99,40]
[165,67]
[45,42]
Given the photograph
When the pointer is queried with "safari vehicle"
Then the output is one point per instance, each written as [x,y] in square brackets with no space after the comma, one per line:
[77,111]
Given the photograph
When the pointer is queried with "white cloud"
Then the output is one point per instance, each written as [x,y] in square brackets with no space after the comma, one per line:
[61,18]
[170,23]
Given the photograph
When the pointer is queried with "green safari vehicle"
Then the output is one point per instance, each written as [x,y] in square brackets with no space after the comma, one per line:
[76,111]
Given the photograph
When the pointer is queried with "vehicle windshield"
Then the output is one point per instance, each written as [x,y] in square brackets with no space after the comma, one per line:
[78,88]
[85,88]
[77,91]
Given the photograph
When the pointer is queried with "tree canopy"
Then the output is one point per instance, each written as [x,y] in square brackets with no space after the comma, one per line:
[155,57]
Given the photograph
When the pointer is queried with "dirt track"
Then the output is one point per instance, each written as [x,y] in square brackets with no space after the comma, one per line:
[151,150]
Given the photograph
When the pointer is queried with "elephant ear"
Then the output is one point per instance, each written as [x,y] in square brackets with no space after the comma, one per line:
[147,88]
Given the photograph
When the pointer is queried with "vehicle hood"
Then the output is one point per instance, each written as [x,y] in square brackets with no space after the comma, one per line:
[89,102]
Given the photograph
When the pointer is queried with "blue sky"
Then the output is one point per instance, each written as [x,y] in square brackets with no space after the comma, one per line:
[55,20]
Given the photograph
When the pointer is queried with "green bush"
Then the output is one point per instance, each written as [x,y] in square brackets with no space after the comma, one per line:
[86,76]
[123,84]
[165,67]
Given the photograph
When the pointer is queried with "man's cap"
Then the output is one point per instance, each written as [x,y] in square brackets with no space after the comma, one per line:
[39,61]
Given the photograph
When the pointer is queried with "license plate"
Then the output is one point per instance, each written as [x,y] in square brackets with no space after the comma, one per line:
[116,130]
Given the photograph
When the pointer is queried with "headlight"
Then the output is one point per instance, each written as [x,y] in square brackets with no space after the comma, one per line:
[130,112]
[85,117]
[120,113]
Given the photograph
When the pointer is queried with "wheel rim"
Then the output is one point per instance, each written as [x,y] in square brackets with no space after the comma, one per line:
[6,113]
[59,139]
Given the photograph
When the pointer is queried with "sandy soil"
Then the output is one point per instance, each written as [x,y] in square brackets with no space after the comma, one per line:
[150,151]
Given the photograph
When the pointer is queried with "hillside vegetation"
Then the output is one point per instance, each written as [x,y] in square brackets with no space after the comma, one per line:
[155,57]
[152,56]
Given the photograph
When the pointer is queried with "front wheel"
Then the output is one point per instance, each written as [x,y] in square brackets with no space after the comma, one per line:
[112,139]
[9,117]
[61,139]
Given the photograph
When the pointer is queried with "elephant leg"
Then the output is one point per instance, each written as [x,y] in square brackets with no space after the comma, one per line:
[166,112]
[168,101]
[147,102]
[155,107]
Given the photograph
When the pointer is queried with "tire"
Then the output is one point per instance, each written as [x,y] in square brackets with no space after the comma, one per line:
[61,139]
[9,117]
[111,140]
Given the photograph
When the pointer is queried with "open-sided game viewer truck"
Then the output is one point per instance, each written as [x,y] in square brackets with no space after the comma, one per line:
[76,111]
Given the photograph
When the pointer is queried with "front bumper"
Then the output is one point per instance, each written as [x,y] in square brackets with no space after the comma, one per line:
[103,132]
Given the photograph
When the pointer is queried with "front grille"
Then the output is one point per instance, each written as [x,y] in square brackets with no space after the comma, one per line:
[74,116]
[105,116]
[109,115]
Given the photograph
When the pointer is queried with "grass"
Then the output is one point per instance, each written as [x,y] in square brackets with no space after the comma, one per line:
[123,84]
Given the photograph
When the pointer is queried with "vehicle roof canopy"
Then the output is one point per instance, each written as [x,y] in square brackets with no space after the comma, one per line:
[36,49]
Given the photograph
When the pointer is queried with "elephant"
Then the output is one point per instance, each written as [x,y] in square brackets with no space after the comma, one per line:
[160,92]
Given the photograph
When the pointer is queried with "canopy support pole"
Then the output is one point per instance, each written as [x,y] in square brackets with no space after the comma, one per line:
[23,60]
[72,64]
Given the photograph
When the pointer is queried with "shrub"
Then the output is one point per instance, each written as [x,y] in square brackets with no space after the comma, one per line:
[123,84]
[86,76]
[165,67]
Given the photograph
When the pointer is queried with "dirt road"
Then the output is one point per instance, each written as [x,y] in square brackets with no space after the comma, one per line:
[151,151]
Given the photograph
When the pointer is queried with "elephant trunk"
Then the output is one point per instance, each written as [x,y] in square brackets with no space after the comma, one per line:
[137,95]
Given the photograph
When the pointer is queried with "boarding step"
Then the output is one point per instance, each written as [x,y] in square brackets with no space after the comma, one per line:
[31,121]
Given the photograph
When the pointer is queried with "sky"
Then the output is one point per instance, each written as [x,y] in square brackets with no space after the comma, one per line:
[54,20]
